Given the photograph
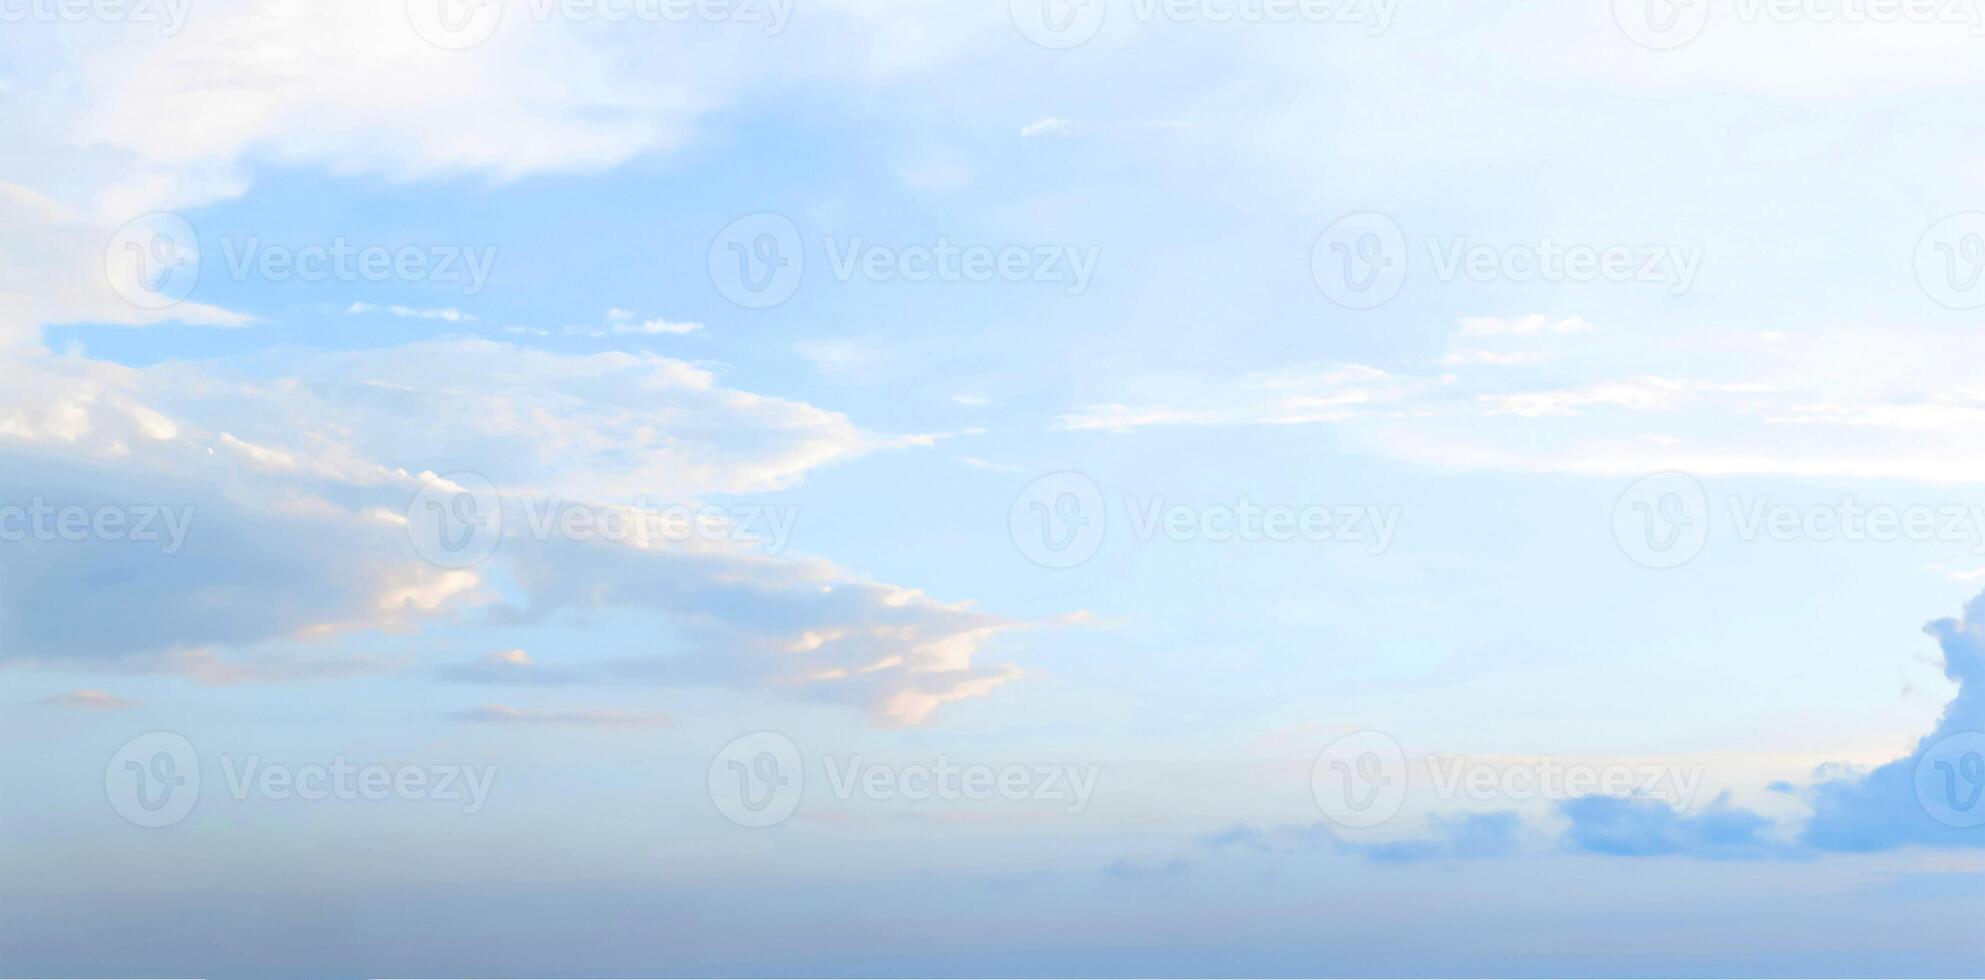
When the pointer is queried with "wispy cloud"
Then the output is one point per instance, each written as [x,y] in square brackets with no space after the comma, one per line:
[497,714]
[445,313]
[88,699]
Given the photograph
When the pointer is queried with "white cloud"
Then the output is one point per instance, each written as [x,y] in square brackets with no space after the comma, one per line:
[1047,126]
[447,313]
[293,484]
[1845,402]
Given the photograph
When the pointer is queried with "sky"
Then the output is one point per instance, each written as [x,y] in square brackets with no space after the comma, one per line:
[1032,488]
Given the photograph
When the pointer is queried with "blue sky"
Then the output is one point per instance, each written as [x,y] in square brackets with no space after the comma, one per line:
[1610,391]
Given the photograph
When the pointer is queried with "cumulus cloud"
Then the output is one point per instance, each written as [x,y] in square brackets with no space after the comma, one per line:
[296,472]
[1852,811]
[1882,808]
[1624,827]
